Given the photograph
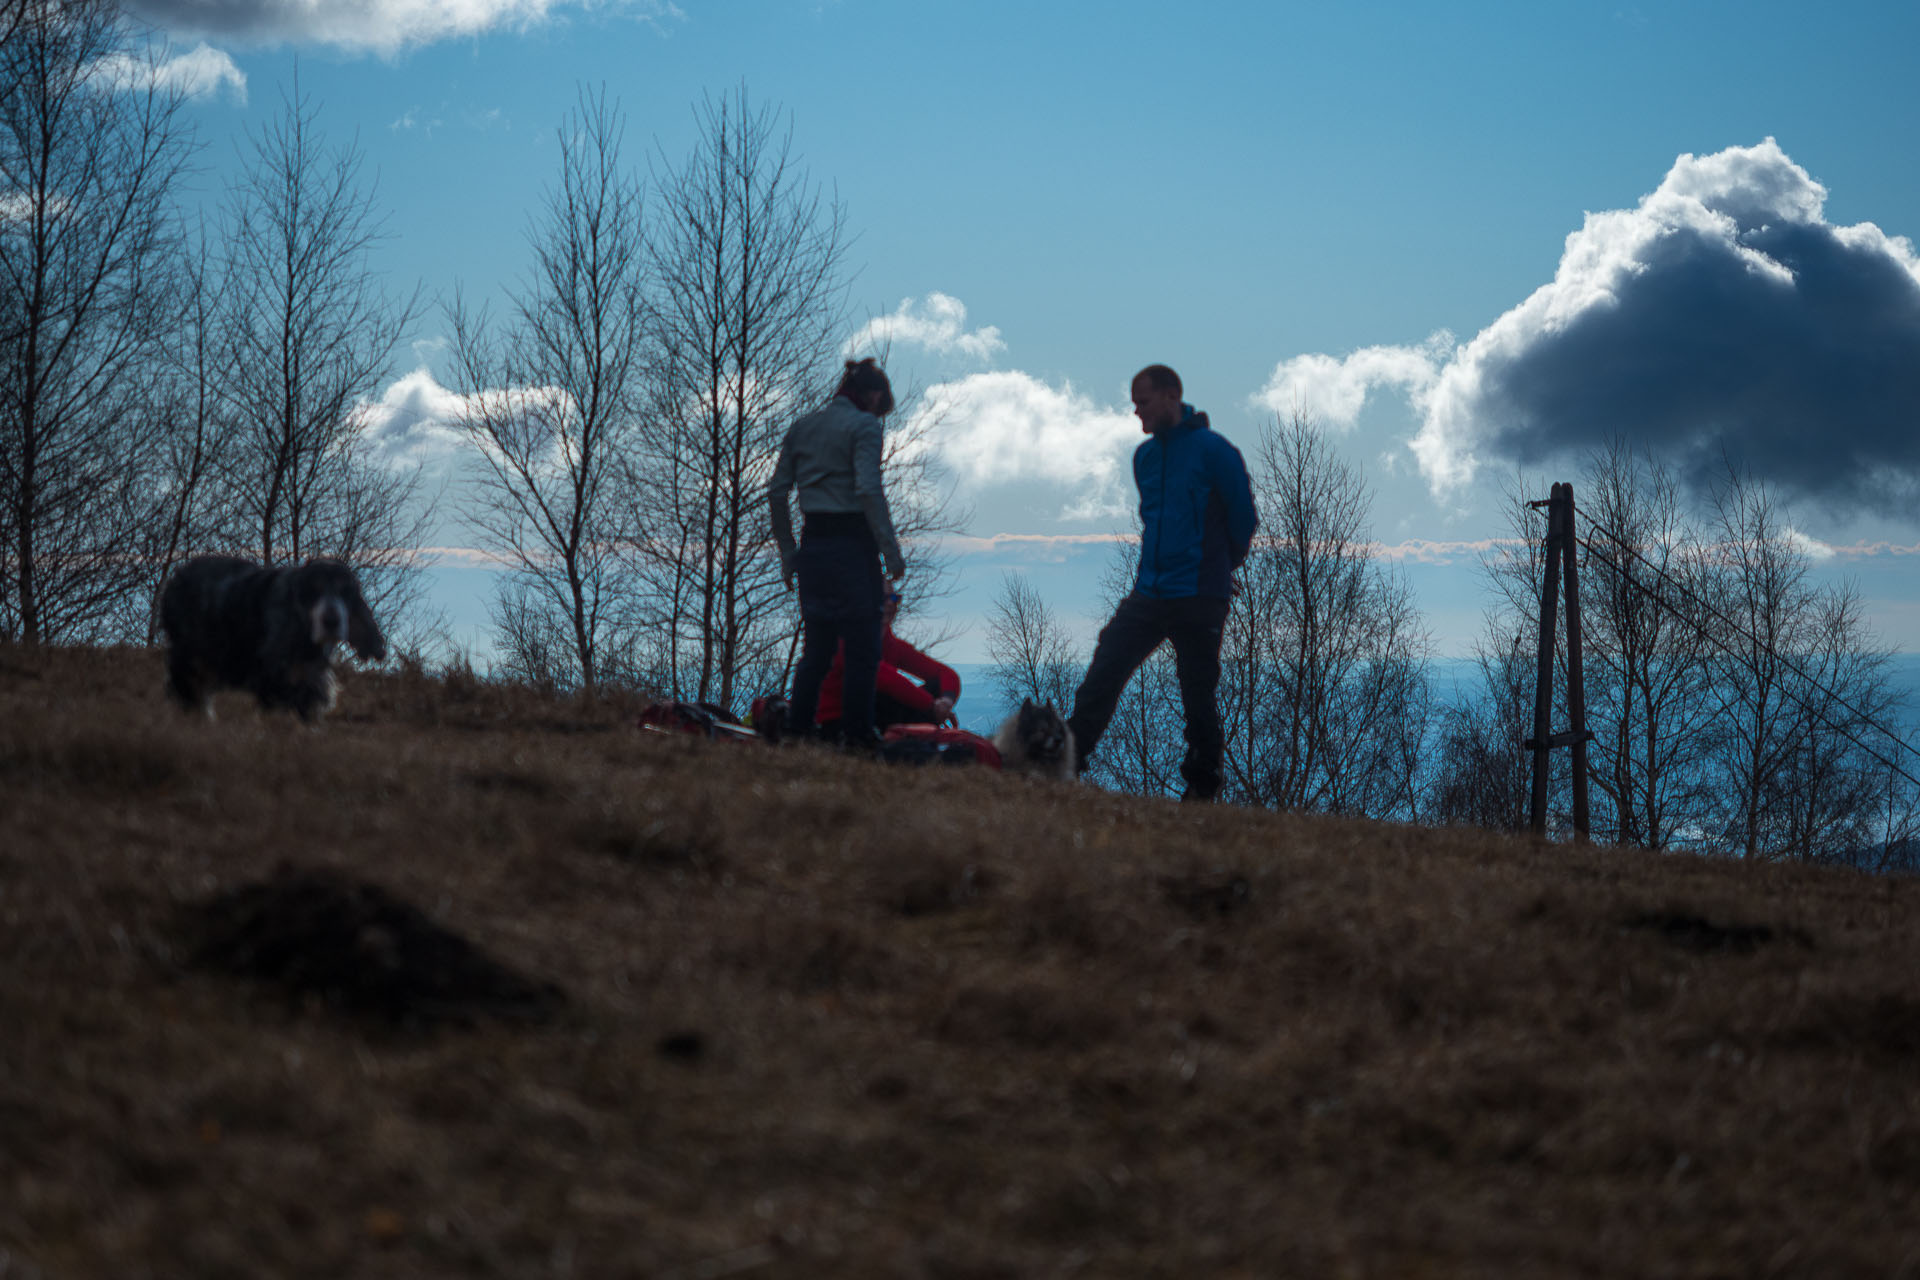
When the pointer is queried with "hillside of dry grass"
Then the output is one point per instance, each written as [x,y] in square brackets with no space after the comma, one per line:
[473,982]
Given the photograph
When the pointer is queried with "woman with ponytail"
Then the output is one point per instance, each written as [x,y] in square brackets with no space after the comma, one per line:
[832,456]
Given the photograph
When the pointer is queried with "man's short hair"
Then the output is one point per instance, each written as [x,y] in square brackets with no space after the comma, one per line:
[1160,378]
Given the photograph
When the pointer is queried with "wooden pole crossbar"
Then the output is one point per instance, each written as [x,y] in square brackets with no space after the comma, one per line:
[1559,550]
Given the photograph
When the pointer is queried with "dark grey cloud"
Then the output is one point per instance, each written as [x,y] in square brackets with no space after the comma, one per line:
[1722,320]
[381,26]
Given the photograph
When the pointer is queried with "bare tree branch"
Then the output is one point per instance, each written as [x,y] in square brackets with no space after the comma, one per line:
[553,412]
[87,170]
[1031,652]
[310,333]
[1325,684]
[748,261]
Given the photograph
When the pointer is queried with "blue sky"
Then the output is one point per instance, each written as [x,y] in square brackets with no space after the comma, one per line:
[1047,196]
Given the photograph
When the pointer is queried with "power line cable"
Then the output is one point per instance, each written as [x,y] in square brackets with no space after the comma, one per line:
[1771,652]
[1712,687]
[1733,626]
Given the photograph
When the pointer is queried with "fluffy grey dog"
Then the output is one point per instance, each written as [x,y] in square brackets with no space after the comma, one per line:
[1035,739]
[233,624]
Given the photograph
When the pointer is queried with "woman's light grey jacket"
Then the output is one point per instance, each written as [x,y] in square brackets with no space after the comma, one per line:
[833,457]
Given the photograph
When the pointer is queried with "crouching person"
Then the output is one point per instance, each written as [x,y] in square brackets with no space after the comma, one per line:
[910,687]
[832,457]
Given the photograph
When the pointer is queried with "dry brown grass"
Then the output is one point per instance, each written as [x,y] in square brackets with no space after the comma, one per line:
[823,1018]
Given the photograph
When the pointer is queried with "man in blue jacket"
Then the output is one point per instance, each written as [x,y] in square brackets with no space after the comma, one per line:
[1197,522]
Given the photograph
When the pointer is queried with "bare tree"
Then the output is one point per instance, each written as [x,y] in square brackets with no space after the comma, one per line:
[192,430]
[1800,689]
[1252,683]
[1762,592]
[748,260]
[1144,743]
[1033,657]
[1843,767]
[1482,774]
[13,14]
[311,332]
[1647,649]
[553,407]
[1896,822]
[1333,659]
[89,157]
[1737,708]
[536,644]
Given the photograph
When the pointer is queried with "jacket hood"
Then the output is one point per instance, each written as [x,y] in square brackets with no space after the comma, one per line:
[1191,419]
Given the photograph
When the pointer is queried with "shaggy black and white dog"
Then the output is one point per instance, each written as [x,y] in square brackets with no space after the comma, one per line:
[232,624]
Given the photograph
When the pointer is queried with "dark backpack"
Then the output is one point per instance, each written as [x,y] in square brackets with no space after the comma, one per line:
[702,719]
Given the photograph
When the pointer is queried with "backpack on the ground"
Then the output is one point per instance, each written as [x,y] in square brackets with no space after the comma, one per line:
[922,744]
[702,719]
[769,717]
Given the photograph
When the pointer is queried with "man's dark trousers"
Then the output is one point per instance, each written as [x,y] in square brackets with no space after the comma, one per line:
[1195,625]
[841,595]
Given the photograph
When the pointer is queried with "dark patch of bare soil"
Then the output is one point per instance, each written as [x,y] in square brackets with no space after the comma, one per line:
[1204,897]
[316,933]
[1693,932]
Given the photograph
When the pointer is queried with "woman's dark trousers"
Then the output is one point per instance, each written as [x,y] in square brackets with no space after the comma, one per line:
[841,595]
[887,712]
[1195,625]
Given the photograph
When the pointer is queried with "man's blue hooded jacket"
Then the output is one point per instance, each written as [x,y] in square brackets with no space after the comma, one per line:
[1196,510]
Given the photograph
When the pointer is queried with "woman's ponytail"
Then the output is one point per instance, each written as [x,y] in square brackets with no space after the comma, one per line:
[863,376]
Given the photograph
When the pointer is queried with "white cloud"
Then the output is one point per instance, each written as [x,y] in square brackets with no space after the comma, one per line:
[414,119]
[416,421]
[466,558]
[1038,545]
[16,206]
[1872,550]
[1009,427]
[1058,546]
[201,72]
[939,325]
[1333,391]
[1440,551]
[1809,546]
[377,26]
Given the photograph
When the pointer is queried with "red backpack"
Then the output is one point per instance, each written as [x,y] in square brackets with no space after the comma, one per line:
[936,744]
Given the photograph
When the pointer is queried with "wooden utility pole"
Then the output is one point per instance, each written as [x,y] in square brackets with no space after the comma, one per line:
[1559,553]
